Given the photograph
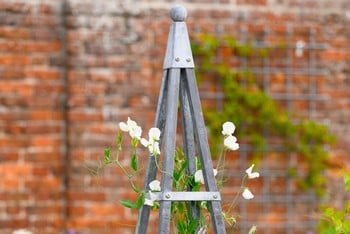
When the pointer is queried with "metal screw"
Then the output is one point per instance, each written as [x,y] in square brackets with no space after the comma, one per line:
[215,196]
[167,195]
[177,59]
[188,60]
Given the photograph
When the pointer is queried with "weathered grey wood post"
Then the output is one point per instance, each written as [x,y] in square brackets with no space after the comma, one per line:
[179,84]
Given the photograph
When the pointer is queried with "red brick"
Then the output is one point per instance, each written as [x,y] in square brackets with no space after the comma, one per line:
[11,142]
[19,170]
[16,87]
[14,210]
[83,115]
[14,33]
[14,223]
[251,2]
[45,210]
[334,55]
[89,196]
[43,74]
[9,156]
[9,184]
[105,210]
[45,141]
[17,7]
[75,210]
[42,184]
[47,155]
[46,115]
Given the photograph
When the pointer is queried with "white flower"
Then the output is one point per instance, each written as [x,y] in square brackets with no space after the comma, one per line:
[252,230]
[148,202]
[132,128]
[154,134]
[22,231]
[202,231]
[230,142]
[228,128]
[154,185]
[247,194]
[150,198]
[299,48]
[152,144]
[252,175]
[144,142]
[198,175]
[154,148]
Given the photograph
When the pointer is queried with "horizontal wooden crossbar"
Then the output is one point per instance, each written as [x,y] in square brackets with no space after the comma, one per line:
[187,196]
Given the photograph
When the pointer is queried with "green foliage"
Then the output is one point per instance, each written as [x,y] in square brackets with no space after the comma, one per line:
[186,217]
[347,181]
[181,212]
[134,162]
[336,221]
[107,158]
[255,113]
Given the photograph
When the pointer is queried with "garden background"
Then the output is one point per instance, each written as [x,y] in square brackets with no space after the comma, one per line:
[70,70]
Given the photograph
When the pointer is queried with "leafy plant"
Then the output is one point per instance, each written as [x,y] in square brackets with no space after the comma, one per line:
[183,219]
[255,113]
[336,221]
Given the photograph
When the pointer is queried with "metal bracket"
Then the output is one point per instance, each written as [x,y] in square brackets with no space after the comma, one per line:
[178,52]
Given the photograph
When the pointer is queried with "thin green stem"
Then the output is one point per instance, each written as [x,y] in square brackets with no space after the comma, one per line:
[233,203]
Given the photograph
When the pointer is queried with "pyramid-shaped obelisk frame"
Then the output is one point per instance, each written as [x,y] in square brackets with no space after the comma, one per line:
[179,84]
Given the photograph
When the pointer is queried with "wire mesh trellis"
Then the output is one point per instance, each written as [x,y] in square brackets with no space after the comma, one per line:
[292,75]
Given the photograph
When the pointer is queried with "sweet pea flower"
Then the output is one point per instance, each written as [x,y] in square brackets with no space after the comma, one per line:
[247,194]
[150,198]
[230,142]
[154,185]
[132,128]
[228,128]
[202,230]
[198,175]
[154,134]
[252,230]
[252,175]
[152,144]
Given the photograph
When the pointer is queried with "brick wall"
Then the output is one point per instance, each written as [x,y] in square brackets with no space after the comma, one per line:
[32,110]
[71,70]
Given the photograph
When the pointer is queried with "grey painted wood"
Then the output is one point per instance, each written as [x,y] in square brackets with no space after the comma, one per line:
[178,52]
[179,84]
[188,142]
[151,171]
[169,136]
[187,196]
[204,151]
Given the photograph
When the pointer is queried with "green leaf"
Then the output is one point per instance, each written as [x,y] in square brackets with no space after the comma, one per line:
[347,181]
[134,162]
[119,141]
[140,200]
[129,204]
[177,174]
[107,154]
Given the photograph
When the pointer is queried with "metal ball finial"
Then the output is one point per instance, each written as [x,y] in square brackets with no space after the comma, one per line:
[178,13]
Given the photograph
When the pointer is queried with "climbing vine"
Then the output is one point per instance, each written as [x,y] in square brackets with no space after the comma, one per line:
[246,104]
